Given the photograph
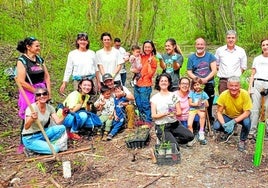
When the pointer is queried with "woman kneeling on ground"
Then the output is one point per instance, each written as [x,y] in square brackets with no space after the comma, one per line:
[32,136]
[165,107]
[80,115]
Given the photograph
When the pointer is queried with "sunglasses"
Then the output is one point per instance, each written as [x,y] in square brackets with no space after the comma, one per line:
[32,38]
[82,35]
[148,41]
[41,94]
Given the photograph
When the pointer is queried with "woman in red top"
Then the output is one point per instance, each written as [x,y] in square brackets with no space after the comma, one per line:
[143,89]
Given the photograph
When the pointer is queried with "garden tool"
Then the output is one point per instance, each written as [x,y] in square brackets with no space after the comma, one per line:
[37,121]
[261,131]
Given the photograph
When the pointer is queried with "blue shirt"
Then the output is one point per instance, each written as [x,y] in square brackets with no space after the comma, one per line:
[200,66]
[197,97]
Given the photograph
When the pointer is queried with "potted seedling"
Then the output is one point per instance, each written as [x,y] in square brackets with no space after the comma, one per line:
[165,146]
[139,138]
[166,153]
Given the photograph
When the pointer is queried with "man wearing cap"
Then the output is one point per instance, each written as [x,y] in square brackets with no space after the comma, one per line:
[108,80]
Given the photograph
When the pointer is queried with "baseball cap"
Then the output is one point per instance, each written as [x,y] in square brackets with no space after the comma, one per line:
[107,76]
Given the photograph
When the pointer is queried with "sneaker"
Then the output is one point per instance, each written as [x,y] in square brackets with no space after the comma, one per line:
[73,136]
[203,142]
[242,146]
[109,137]
[28,152]
[20,149]
[201,136]
[191,143]
[105,134]
[226,137]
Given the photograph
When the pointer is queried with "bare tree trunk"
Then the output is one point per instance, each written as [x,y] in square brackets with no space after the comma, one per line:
[232,15]
[137,33]
[94,13]
[153,22]
[127,23]
[132,22]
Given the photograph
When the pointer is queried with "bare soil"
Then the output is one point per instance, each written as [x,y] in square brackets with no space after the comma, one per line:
[112,164]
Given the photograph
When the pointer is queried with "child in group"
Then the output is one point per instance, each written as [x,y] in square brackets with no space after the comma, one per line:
[135,60]
[198,101]
[120,102]
[105,104]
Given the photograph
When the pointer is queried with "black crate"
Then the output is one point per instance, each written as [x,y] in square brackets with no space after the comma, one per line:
[168,158]
[139,139]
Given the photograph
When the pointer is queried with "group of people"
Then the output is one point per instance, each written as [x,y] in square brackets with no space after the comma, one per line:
[179,104]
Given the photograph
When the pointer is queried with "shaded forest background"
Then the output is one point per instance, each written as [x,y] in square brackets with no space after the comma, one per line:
[56,23]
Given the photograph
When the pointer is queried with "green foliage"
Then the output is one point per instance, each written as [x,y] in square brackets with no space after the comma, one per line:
[56,23]
[41,167]
[6,133]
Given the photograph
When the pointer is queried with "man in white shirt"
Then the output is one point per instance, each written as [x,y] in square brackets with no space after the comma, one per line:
[109,59]
[231,60]
[125,56]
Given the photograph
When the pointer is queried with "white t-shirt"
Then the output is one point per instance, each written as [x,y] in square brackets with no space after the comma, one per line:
[109,60]
[163,103]
[108,107]
[80,64]
[230,62]
[260,63]
[123,54]
[43,118]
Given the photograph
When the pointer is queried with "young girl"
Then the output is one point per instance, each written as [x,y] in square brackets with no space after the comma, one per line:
[105,104]
[198,101]
[171,61]
[135,60]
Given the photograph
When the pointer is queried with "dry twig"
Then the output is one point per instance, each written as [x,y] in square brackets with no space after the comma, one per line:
[54,182]
[162,175]
[150,183]
[50,157]
[220,167]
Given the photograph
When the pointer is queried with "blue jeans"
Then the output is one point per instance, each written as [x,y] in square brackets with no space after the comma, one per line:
[142,98]
[121,114]
[116,126]
[123,78]
[75,122]
[37,142]
[185,124]
[246,123]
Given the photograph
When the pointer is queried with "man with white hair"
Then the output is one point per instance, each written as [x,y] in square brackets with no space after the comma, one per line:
[233,106]
[231,60]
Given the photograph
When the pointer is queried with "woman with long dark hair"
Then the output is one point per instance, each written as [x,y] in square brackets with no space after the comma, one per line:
[81,63]
[143,87]
[165,108]
[171,61]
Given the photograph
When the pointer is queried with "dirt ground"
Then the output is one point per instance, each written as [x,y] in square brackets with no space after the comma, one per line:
[112,164]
